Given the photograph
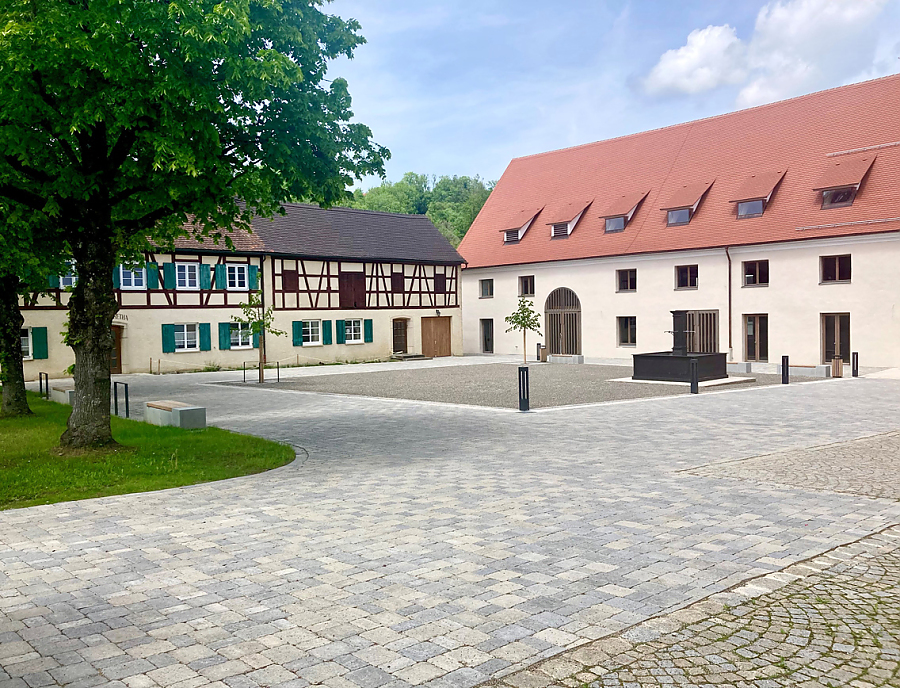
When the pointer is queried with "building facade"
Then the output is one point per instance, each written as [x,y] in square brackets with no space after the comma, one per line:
[777,228]
[345,285]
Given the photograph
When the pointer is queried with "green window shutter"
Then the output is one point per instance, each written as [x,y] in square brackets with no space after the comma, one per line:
[168,339]
[367,331]
[152,276]
[205,279]
[221,277]
[253,277]
[224,336]
[117,277]
[169,276]
[297,327]
[256,340]
[341,326]
[53,281]
[39,343]
[326,332]
[205,338]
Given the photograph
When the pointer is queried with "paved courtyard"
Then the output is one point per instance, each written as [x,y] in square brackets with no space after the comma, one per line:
[421,543]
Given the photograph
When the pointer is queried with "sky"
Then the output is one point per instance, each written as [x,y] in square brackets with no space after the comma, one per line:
[460,87]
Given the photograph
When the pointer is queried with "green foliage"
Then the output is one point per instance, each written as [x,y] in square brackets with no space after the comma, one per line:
[524,318]
[451,203]
[152,458]
[256,318]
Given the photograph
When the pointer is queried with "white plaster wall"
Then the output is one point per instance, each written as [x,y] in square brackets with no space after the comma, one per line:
[794,299]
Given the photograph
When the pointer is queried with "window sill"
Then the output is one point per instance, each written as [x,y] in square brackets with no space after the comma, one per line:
[835,282]
[485,297]
[242,348]
[27,358]
[238,289]
[132,288]
[186,351]
[627,346]
[526,296]
[309,344]
[187,289]
[626,291]
[754,286]
[686,288]
[354,342]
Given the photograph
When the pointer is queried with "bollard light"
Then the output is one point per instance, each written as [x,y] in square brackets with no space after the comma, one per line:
[785,370]
[523,388]
[695,377]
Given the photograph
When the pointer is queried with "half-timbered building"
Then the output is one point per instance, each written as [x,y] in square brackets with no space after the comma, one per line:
[345,285]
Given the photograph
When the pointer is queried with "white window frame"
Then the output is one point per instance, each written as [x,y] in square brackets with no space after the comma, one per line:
[242,329]
[132,273]
[30,356]
[307,330]
[238,269]
[70,279]
[187,285]
[185,348]
[358,326]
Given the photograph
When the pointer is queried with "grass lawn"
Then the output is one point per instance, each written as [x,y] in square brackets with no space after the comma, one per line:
[152,458]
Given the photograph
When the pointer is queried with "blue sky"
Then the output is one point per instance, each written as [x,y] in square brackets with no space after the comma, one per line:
[460,87]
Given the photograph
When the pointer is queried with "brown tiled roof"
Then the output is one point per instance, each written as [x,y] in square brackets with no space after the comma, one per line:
[624,204]
[687,195]
[801,136]
[309,231]
[518,217]
[758,186]
[565,212]
[845,171]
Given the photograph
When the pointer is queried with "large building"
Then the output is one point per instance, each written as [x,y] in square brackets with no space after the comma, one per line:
[775,227]
[346,285]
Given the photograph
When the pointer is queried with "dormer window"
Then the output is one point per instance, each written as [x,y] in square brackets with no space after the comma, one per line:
[680,216]
[563,218]
[517,224]
[615,224]
[751,208]
[560,229]
[511,236]
[684,203]
[838,198]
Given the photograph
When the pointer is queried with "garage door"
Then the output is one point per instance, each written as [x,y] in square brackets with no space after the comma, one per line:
[436,336]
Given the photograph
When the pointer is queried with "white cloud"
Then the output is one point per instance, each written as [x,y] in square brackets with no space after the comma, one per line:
[712,57]
[797,46]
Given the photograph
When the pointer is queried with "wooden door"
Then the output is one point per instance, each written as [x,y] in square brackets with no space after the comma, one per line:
[115,359]
[436,336]
[400,345]
[756,329]
[835,336]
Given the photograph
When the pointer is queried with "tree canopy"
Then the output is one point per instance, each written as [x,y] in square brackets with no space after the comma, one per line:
[451,203]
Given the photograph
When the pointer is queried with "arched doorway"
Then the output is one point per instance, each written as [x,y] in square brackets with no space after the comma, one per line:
[562,318]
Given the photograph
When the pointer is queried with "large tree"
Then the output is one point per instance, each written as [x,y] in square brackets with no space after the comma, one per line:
[122,119]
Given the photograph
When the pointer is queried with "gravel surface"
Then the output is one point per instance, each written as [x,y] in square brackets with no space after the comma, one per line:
[497,385]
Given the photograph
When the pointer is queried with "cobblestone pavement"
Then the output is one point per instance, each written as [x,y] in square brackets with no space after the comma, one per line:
[419,543]
[832,621]
[867,466]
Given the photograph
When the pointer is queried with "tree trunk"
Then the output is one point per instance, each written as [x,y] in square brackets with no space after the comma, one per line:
[12,373]
[92,306]
[524,347]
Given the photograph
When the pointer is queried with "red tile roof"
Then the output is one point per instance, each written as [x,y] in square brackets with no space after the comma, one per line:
[842,172]
[687,196]
[564,212]
[624,204]
[802,135]
[758,186]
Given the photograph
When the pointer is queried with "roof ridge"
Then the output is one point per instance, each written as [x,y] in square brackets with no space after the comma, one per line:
[354,210]
[722,115]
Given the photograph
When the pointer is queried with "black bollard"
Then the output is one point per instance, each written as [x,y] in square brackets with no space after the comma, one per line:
[695,377]
[854,364]
[538,359]
[785,370]
[523,388]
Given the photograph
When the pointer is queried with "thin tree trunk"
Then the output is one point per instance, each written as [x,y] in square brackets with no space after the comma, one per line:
[524,351]
[12,373]
[92,306]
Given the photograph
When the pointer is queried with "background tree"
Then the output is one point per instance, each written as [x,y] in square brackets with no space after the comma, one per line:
[523,319]
[120,119]
[451,203]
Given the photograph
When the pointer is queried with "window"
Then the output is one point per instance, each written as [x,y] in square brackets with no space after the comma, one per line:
[560,229]
[627,326]
[680,216]
[237,277]
[686,277]
[511,236]
[835,268]
[526,285]
[397,283]
[135,278]
[440,284]
[186,337]
[838,198]
[626,280]
[615,224]
[27,349]
[354,331]
[486,288]
[241,336]
[186,276]
[312,332]
[756,273]
[751,208]
[69,278]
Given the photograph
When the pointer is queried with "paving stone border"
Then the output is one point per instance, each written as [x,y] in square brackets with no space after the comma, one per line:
[832,620]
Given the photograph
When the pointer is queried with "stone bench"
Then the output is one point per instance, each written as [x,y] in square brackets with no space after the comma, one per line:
[63,394]
[175,413]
